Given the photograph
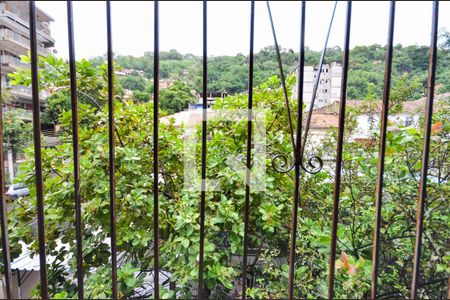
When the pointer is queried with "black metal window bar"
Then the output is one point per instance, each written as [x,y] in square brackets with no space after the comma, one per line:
[314,164]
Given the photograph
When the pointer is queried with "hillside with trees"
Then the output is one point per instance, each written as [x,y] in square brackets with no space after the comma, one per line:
[229,73]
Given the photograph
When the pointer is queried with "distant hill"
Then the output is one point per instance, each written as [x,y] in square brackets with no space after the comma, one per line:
[230,73]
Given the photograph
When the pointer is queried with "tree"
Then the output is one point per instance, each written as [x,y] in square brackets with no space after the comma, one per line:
[176,97]
[133,82]
[229,73]
[171,55]
[16,130]
[270,210]
[57,103]
[53,76]
[142,96]
[17,136]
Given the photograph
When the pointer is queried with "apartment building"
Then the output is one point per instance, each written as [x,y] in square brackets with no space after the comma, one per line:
[14,42]
[329,88]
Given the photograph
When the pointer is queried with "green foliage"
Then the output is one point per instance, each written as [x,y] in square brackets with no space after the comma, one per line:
[171,55]
[142,96]
[54,76]
[230,73]
[17,130]
[145,95]
[405,88]
[370,91]
[176,97]
[92,83]
[57,103]
[270,218]
[133,82]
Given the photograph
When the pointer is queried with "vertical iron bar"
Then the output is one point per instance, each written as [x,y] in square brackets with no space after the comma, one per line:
[382,151]
[155,152]
[426,150]
[282,78]
[4,207]
[339,150]
[37,151]
[249,148]
[112,171]
[76,152]
[204,128]
[296,195]
[448,288]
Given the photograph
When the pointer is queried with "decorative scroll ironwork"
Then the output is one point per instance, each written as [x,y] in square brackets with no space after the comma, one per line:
[314,162]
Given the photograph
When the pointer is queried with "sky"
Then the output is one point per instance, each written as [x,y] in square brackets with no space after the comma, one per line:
[229,25]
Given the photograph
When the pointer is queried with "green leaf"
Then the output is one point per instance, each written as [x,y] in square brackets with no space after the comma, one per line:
[185,243]
[60,295]
[209,247]
[131,281]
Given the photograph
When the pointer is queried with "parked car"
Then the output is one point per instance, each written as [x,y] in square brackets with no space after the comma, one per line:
[17,190]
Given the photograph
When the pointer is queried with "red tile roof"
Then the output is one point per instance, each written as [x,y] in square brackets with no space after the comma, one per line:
[324,120]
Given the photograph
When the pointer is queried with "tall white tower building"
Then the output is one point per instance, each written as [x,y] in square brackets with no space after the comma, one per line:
[329,88]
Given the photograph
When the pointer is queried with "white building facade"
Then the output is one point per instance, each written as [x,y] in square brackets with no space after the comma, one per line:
[329,86]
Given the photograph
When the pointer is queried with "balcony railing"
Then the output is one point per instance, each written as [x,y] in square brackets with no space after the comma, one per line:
[13,61]
[22,19]
[7,34]
[20,113]
[21,90]
[297,166]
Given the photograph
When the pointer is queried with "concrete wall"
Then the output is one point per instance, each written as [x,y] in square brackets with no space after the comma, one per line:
[31,280]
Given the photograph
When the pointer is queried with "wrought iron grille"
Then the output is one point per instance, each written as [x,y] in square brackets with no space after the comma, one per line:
[298,140]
